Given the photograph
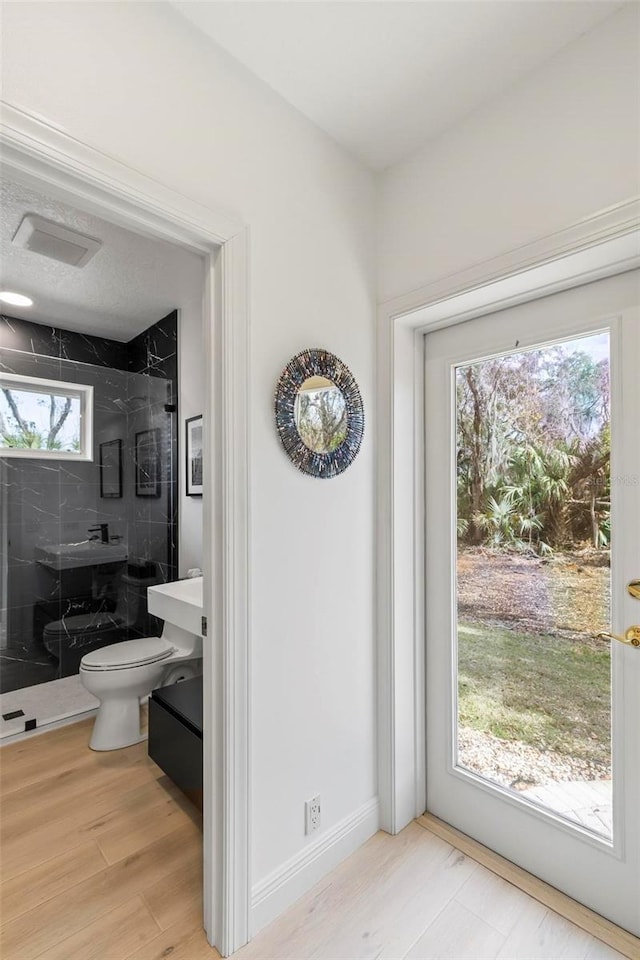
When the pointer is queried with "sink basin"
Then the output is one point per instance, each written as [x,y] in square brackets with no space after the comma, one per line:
[88,553]
[180,603]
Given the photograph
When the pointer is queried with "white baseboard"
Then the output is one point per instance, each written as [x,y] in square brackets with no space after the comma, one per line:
[272,896]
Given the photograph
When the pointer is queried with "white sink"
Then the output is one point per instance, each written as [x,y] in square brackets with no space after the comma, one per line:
[88,553]
[179,603]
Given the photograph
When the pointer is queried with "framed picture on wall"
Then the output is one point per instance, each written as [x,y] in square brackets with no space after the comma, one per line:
[147,463]
[193,434]
[111,469]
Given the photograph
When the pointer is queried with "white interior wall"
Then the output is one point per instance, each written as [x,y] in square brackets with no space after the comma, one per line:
[137,81]
[558,146]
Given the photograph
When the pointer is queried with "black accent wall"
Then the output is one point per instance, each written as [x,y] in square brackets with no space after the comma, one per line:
[38,339]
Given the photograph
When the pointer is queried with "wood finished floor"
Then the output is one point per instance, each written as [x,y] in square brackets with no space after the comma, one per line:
[101,860]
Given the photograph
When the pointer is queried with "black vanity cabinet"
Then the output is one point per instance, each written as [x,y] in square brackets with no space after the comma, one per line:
[175,734]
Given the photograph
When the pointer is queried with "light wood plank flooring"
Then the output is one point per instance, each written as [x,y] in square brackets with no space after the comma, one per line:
[101,860]
[101,854]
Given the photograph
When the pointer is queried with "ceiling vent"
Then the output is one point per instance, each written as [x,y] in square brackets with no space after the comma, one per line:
[55,241]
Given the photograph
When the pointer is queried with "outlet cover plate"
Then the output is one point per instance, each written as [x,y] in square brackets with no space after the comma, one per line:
[312,815]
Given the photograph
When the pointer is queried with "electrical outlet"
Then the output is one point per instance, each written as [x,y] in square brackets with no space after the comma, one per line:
[312,815]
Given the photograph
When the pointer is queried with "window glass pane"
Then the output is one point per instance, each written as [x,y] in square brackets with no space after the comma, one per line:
[39,420]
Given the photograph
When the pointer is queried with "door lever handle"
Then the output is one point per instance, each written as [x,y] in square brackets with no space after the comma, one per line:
[631,636]
[633,589]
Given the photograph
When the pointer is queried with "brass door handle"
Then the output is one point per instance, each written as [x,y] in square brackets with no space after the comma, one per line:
[633,589]
[631,636]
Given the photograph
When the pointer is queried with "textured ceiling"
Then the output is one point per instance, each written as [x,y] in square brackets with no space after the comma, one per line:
[132,281]
[382,78]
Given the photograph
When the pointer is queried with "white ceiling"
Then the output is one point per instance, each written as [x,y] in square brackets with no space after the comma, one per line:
[130,283]
[384,77]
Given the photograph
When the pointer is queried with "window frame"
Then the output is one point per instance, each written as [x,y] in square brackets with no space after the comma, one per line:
[58,388]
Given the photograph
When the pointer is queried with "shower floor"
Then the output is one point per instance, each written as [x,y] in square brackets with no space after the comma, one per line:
[45,703]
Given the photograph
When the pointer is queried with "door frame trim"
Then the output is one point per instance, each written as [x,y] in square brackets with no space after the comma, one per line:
[38,151]
[601,245]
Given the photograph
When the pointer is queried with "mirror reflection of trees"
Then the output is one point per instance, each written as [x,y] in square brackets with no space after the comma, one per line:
[533,449]
[321,418]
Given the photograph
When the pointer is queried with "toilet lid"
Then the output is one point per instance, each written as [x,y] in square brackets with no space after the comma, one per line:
[129,653]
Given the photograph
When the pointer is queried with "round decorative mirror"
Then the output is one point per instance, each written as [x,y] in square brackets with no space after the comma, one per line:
[319,413]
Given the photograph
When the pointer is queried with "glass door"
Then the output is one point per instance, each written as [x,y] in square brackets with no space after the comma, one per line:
[533,673]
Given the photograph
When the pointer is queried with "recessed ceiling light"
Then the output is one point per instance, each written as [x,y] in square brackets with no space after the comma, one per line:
[15,299]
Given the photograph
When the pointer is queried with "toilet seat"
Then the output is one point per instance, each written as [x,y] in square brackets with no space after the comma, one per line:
[129,653]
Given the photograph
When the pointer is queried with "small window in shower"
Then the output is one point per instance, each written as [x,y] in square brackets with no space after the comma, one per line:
[45,418]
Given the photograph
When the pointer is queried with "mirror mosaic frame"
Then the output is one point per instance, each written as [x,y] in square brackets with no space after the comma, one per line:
[318,363]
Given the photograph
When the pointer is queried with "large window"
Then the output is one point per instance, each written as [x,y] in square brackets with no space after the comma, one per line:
[45,418]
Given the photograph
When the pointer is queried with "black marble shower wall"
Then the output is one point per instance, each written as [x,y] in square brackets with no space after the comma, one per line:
[154,355]
[49,501]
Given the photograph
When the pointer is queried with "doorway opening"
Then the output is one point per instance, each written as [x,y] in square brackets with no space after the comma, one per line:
[605,246]
[36,153]
[91,403]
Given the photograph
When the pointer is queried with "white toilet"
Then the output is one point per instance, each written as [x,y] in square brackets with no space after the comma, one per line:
[122,674]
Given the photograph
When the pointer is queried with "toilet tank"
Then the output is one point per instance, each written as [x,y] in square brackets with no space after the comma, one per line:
[141,621]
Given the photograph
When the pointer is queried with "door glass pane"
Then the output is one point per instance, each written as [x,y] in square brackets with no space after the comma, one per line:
[533,576]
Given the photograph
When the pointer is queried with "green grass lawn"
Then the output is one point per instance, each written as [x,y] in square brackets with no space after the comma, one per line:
[541,690]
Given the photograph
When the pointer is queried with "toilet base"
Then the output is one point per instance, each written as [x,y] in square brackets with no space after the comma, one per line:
[117,724]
